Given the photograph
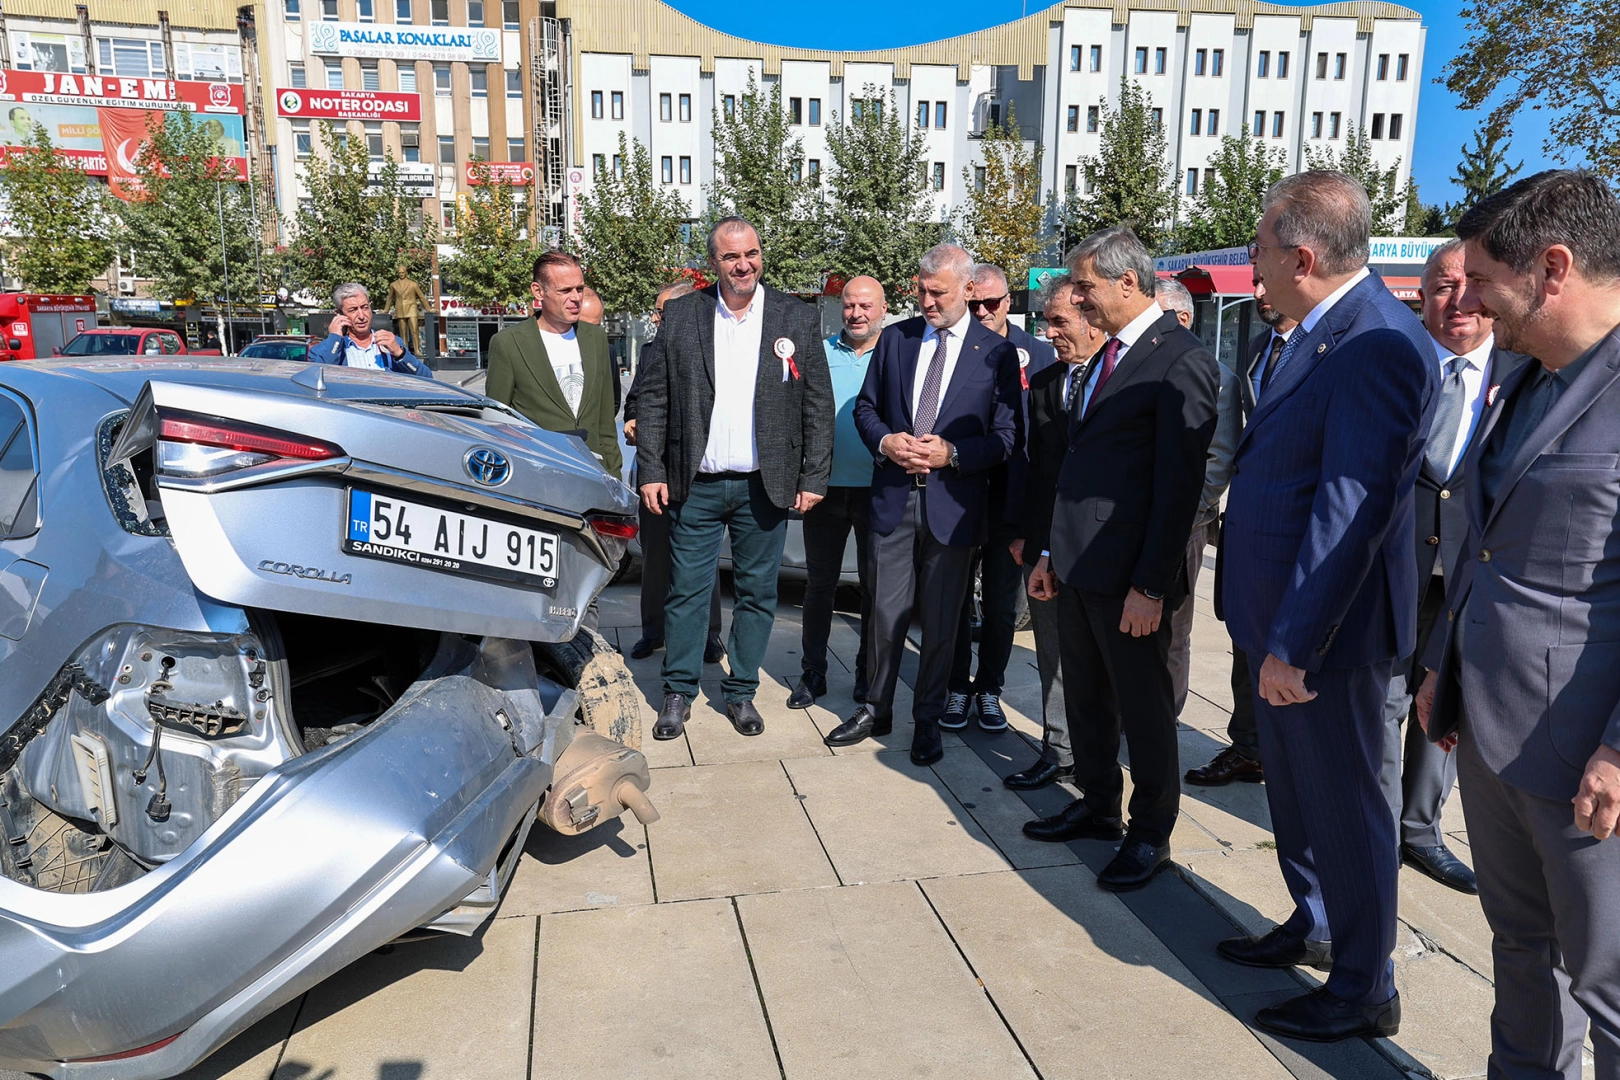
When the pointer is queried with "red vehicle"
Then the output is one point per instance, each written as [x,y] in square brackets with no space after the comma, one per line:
[37,325]
[127,341]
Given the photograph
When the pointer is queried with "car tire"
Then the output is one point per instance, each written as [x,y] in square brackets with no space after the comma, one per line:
[609,702]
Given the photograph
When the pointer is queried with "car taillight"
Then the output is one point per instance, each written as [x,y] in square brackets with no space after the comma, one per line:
[125,1055]
[192,445]
[615,527]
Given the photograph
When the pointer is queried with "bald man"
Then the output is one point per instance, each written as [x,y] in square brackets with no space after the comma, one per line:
[849,494]
[590,307]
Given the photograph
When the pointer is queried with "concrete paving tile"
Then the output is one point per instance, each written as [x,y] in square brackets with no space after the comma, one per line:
[881,818]
[747,810]
[252,1055]
[1237,813]
[1445,1013]
[864,982]
[450,1007]
[788,732]
[1452,920]
[1078,978]
[1245,884]
[605,867]
[1201,713]
[1000,812]
[648,993]
[620,609]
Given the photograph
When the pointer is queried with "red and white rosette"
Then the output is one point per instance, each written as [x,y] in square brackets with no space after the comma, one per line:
[784,349]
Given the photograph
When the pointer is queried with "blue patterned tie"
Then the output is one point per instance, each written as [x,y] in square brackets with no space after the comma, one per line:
[1448,414]
[928,407]
[1274,370]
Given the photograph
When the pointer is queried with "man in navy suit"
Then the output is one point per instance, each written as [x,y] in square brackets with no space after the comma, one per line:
[1320,592]
[940,408]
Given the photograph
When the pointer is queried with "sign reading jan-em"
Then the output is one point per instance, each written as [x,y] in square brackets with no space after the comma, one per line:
[469,44]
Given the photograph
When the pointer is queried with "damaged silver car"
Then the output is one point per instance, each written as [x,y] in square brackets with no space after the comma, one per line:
[291,660]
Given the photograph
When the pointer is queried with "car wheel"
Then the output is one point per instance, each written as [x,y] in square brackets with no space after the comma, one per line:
[609,702]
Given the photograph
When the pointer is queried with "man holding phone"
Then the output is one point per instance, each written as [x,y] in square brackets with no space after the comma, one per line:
[351,342]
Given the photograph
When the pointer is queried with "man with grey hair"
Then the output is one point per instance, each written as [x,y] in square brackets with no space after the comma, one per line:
[351,341]
[1174,296]
[1319,590]
[1123,508]
[938,410]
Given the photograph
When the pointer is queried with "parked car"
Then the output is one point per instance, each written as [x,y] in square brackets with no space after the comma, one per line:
[279,347]
[290,663]
[130,341]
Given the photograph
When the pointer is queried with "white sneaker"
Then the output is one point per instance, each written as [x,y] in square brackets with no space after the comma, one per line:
[991,718]
[956,708]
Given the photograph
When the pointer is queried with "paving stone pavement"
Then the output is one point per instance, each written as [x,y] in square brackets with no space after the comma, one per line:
[802,914]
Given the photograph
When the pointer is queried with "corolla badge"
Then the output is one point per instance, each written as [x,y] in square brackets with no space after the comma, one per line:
[488,466]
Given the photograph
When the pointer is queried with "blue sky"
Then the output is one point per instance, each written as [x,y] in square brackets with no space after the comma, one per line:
[875,24]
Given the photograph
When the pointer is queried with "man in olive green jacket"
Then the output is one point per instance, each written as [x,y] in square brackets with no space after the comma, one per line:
[554,368]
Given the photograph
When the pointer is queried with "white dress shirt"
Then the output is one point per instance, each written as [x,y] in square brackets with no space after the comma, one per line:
[1127,338]
[925,356]
[1319,312]
[731,446]
[1476,377]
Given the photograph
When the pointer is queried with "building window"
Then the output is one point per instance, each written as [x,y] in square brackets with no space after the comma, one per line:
[1383,67]
[922,114]
[1217,63]
[447,215]
[1074,118]
[369,78]
[1276,125]
[1400,67]
[514,83]
[334,76]
[1197,125]
[795,110]
[798,171]
[475,12]
[1158,119]
[1192,181]
[440,10]
[134,57]
[410,142]
[366,10]
[1200,61]
[728,107]
[1091,119]
[478,76]
[939,176]
[1214,122]
[514,149]
[402,11]
[667,168]
[1096,58]
[598,164]
[329,10]
[301,140]
[686,108]
[978,177]
[1333,125]
[1263,67]
[1160,59]
[1378,125]
[374,142]
[1070,175]
[815,112]
[1141,60]
[596,104]
[939,115]
[1321,65]
[618,166]
[1282,65]
[447,149]
[1316,125]
[480,147]
[1259,122]
[994,112]
[1074,58]
[1395,126]
[291,8]
[1338,65]
[407,78]
[686,169]
[297,77]
[618,104]
[666,108]
[509,15]
[441,80]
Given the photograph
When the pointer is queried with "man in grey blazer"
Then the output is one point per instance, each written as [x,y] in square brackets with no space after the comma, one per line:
[1527,682]
[734,429]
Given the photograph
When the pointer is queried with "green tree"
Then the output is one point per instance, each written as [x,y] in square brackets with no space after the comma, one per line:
[1131,179]
[1227,207]
[1002,220]
[1560,59]
[64,233]
[877,209]
[358,225]
[1483,170]
[494,261]
[629,236]
[1388,198]
[1422,219]
[190,220]
[758,175]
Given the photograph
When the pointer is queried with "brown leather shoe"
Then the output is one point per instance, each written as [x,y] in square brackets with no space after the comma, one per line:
[1227,766]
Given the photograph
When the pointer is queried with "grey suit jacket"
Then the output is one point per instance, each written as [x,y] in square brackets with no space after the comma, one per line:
[793,417]
[1534,680]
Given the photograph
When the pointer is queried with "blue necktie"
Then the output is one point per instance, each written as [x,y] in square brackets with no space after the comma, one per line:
[1274,370]
[1448,414]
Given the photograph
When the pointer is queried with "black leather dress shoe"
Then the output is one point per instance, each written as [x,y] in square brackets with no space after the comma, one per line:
[1319,1016]
[745,718]
[1277,949]
[672,718]
[927,745]
[645,647]
[811,686]
[1440,864]
[1038,775]
[860,726]
[1134,866]
[714,651]
[1074,822]
[1225,767]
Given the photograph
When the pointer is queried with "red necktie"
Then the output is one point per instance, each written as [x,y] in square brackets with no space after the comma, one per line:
[1110,358]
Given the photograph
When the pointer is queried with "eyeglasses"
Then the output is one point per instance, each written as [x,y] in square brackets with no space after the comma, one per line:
[1255,248]
[989,303]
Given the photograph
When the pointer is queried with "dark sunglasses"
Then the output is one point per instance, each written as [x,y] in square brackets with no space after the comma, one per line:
[990,303]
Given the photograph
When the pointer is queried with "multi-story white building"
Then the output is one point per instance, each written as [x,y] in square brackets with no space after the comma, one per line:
[1297,77]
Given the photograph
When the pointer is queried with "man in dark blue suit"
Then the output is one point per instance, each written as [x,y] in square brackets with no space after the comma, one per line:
[1320,592]
[940,408]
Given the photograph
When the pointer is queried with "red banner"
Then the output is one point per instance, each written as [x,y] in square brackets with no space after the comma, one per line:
[514,173]
[123,132]
[54,88]
[348,105]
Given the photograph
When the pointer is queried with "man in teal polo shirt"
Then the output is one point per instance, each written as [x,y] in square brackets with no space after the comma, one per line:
[849,493]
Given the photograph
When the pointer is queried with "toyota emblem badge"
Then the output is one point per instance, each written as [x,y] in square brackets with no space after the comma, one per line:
[488,466]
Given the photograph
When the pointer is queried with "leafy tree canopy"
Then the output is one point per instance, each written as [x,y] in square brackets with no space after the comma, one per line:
[1130,180]
[629,236]
[60,217]
[1002,220]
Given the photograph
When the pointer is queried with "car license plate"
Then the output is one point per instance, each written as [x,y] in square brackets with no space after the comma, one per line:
[386,527]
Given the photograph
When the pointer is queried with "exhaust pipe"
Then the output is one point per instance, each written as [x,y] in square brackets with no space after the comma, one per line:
[596,780]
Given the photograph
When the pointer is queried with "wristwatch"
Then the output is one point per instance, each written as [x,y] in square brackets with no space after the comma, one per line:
[1155,596]
[956,460]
